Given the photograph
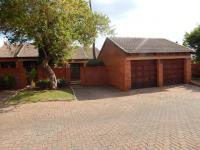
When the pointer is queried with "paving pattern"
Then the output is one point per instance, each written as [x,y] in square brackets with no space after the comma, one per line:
[106,119]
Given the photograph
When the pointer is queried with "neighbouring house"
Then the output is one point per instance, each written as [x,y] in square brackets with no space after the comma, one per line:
[133,63]
[79,58]
[17,61]
[20,60]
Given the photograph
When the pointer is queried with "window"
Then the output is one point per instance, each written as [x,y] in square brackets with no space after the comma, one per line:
[30,64]
[7,65]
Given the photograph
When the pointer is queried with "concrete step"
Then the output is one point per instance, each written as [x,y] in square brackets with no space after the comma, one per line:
[75,82]
[195,82]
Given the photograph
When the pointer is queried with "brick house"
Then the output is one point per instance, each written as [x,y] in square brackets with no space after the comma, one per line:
[19,61]
[145,62]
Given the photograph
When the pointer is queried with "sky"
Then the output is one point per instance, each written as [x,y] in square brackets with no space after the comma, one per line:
[169,19]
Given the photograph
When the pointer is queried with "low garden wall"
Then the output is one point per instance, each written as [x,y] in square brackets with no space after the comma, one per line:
[196,70]
[61,73]
[91,76]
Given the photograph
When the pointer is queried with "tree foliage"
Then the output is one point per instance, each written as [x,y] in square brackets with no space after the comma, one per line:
[192,40]
[53,26]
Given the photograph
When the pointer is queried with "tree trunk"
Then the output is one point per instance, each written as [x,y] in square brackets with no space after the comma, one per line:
[50,73]
[93,45]
[94,50]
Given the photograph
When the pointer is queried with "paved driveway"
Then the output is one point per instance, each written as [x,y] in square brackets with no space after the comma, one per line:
[105,118]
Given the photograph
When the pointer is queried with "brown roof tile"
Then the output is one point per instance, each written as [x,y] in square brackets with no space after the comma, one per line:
[28,50]
[83,53]
[148,45]
[8,51]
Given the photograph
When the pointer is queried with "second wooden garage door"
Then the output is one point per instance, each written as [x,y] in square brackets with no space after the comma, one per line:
[173,71]
[144,74]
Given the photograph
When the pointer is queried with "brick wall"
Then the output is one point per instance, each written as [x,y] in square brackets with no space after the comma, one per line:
[196,69]
[18,73]
[61,73]
[94,76]
[117,66]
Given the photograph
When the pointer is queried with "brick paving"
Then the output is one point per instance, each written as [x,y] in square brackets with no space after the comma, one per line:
[106,119]
[196,82]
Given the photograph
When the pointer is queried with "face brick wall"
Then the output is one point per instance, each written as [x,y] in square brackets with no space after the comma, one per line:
[61,73]
[18,72]
[118,64]
[94,76]
[115,63]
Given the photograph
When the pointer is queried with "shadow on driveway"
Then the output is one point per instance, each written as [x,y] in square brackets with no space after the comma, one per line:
[4,95]
[101,92]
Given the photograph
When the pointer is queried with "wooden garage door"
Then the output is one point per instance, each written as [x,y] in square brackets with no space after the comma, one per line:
[173,71]
[144,74]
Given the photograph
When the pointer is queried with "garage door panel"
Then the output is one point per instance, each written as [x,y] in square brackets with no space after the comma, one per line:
[144,74]
[173,71]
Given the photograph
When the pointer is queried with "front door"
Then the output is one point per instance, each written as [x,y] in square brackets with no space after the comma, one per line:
[75,71]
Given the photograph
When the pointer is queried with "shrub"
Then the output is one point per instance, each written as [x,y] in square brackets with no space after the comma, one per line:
[33,74]
[62,83]
[43,84]
[94,63]
[8,82]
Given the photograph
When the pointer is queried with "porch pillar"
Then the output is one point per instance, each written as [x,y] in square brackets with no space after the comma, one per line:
[187,70]
[127,75]
[22,81]
[159,73]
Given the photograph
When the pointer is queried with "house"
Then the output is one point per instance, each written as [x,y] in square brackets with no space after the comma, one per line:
[15,60]
[78,58]
[19,61]
[134,63]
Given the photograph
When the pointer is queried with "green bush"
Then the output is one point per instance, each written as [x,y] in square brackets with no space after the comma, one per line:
[94,63]
[33,74]
[7,82]
[62,83]
[43,84]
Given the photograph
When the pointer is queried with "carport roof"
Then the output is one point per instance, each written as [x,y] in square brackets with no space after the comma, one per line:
[148,45]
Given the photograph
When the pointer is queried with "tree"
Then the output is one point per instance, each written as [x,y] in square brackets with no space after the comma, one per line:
[102,23]
[53,26]
[192,40]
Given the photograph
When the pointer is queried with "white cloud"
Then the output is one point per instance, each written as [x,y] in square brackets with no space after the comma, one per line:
[103,1]
[160,18]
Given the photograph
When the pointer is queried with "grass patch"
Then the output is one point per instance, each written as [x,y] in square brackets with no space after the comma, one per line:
[33,96]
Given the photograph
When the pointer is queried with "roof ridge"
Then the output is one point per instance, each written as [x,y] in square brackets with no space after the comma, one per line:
[147,45]
[117,44]
[84,51]
[19,50]
[142,43]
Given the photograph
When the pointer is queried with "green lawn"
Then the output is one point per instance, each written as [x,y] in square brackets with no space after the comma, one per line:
[32,96]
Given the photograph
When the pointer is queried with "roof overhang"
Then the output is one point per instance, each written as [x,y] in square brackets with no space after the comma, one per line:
[157,57]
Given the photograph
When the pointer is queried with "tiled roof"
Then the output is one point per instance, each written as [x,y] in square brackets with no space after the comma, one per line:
[8,51]
[30,51]
[18,51]
[83,53]
[148,45]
